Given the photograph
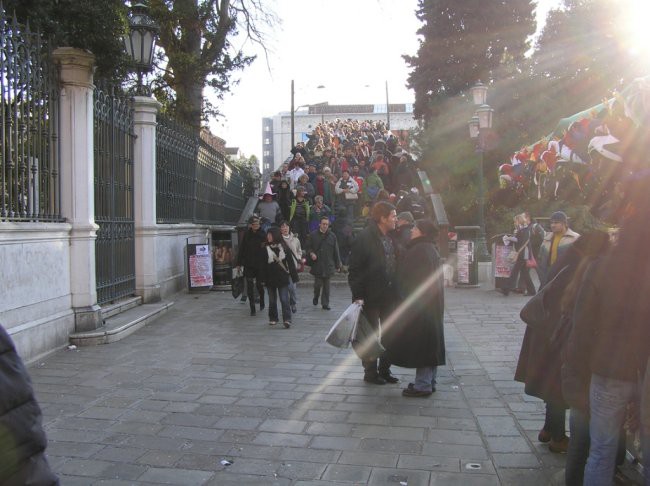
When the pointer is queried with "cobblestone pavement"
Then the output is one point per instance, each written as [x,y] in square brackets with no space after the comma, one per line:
[206,383]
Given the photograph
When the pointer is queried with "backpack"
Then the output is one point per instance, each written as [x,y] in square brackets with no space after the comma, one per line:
[373,191]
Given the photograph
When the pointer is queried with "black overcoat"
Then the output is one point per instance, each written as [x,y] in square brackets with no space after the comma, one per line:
[417,339]
[22,438]
[252,253]
[326,249]
[368,277]
[276,275]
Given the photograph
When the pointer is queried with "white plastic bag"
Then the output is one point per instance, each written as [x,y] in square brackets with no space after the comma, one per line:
[340,334]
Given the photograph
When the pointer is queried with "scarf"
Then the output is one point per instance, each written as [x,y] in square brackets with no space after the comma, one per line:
[279,258]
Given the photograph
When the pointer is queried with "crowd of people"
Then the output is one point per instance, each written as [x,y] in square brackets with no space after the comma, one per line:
[585,347]
[341,171]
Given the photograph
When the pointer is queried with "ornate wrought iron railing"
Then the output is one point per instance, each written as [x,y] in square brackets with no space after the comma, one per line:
[194,181]
[113,172]
[29,156]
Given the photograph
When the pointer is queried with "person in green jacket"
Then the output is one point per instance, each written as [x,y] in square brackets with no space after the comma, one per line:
[299,215]
[371,186]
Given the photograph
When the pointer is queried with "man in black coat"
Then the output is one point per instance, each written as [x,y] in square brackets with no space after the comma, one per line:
[22,438]
[371,278]
[324,259]
[252,256]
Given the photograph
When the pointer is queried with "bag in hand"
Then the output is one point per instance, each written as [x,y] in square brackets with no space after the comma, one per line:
[340,334]
[531,262]
[351,196]
[365,340]
[537,312]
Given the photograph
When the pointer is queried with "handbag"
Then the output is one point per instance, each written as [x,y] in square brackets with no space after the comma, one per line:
[536,312]
[531,262]
[351,196]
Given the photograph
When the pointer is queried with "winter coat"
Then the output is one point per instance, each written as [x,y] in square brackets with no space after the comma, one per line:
[293,243]
[292,209]
[610,329]
[326,249]
[276,275]
[22,438]
[371,186]
[251,253]
[540,361]
[269,211]
[417,338]
[543,262]
[367,274]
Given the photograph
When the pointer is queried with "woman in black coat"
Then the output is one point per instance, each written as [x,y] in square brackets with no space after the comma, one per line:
[417,338]
[22,438]
[279,271]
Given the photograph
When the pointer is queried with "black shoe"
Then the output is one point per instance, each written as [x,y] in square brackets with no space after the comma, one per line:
[374,379]
[412,392]
[326,307]
[504,291]
[390,378]
[293,309]
[252,313]
[315,301]
[261,305]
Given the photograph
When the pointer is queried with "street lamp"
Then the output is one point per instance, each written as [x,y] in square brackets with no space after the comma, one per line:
[140,42]
[479,127]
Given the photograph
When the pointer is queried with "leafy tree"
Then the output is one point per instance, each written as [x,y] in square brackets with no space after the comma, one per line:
[197,39]
[86,24]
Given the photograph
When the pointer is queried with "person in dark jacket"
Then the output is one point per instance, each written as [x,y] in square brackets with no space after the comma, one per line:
[22,438]
[324,259]
[610,328]
[574,372]
[539,362]
[252,256]
[373,263]
[414,337]
[279,271]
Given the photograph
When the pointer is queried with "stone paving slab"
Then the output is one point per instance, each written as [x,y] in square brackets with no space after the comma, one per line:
[207,383]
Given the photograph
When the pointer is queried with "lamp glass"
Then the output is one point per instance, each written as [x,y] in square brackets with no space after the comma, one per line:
[485,116]
[479,93]
[473,125]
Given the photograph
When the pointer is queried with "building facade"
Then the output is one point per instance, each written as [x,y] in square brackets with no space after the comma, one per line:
[276,130]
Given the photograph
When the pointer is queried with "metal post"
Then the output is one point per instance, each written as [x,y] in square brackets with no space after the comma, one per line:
[387,108]
[292,118]
[483,255]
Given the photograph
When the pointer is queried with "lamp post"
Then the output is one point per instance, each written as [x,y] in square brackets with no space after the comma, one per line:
[140,43]
[479,127]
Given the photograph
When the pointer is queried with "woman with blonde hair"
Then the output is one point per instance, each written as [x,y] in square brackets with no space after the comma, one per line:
[522,245]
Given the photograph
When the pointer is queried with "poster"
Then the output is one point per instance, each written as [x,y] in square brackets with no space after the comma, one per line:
[199,265]
[502,265]
[465,254]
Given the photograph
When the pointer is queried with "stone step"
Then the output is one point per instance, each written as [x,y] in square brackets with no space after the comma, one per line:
[122,305]
[121,325]
[307,278]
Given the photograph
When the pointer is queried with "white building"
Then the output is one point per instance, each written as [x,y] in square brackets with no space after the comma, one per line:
[276,130]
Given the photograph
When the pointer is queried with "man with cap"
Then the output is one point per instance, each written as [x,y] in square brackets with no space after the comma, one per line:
[402,233]
[555,244]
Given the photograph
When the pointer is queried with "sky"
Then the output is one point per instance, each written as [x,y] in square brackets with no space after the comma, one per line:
[352,48]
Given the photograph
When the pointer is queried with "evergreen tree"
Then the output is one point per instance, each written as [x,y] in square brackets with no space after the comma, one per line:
[463,41]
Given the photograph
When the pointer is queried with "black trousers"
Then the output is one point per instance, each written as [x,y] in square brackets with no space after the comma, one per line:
[253,283]
[375,314]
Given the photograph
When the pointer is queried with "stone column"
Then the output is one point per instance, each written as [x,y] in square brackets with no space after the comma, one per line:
[144,181]
[77,192]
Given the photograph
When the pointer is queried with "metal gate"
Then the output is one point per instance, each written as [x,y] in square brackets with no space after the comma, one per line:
[115,244]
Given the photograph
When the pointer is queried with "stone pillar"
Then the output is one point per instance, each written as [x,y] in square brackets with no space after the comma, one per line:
[144,181]
[77,192]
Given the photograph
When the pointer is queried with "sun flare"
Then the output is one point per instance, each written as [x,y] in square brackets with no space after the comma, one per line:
[635,30]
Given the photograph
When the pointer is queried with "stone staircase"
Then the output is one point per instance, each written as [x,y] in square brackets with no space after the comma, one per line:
[121,319]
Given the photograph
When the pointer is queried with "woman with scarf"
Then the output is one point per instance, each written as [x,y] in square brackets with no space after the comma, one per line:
[279,271]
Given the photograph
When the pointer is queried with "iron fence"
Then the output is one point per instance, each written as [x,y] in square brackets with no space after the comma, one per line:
[194,181]
[113,178]
[29,156]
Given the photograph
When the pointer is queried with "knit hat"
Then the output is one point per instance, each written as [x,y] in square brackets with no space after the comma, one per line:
[559,217]
[406,216]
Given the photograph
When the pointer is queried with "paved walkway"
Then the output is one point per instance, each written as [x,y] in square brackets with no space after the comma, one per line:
[208,395]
